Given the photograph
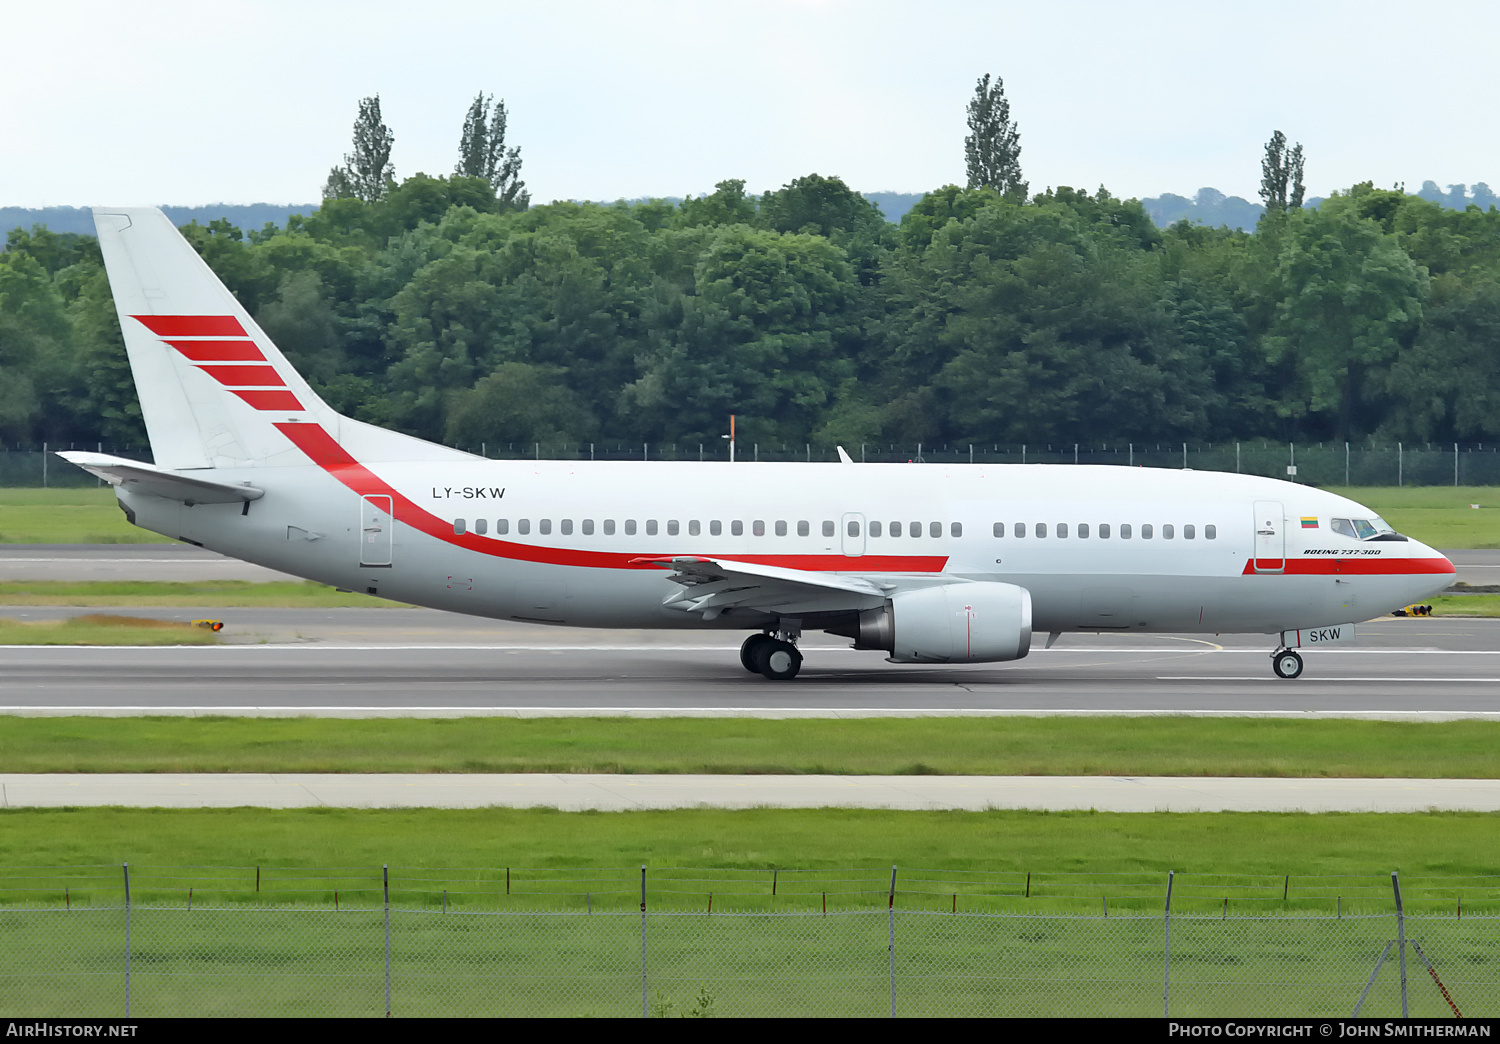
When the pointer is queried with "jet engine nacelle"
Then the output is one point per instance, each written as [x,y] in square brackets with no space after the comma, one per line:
[954,623]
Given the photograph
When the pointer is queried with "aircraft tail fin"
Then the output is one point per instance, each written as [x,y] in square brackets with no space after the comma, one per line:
[213,387]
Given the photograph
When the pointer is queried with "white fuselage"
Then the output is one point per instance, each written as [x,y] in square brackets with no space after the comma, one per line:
[558,541]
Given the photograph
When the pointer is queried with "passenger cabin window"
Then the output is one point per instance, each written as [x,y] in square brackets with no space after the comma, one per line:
[588,527]
[935,529]
[1103,530]
[915,529]
[481,526]
[566,526]
[780,528]
[895,529]
[609,527]
[1062,531]
[1041,530]
[1210,532]
[544,527]
[1125,531]
[854,527]
[715,528]
[956,529]
[999,529]
[630,527]
[1166,531]
[1083,531]
[672,527]
[828,528]
[1188,532]
[803,529]
[736,528]
[1146,531]
[502,526]
[758,527]
[650,527]
[1019,529]
[694,528]
[874,529]
[460,526]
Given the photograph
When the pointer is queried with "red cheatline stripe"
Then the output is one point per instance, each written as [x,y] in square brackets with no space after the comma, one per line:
[244,376]
[1330,566]
[268,399]
[323,451]
[219,351]
[192,325]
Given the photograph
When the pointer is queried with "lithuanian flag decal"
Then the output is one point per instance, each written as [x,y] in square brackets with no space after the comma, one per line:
[1309,523]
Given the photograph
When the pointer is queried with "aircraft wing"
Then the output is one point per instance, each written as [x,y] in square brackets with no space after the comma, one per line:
[711,585]
[171,485]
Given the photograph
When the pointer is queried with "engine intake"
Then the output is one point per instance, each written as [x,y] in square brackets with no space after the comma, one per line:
[980,622]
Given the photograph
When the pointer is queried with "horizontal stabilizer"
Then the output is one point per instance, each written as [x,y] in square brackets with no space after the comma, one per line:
[147,478]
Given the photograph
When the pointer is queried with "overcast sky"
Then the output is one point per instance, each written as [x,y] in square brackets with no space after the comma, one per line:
[239,101]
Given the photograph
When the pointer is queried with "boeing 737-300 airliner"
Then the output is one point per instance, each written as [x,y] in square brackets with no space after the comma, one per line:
[928,563]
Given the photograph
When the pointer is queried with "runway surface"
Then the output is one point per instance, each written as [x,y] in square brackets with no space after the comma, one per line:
[613,793]
[380,662]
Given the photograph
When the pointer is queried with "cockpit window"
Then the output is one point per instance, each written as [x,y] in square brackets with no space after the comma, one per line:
[1360,528]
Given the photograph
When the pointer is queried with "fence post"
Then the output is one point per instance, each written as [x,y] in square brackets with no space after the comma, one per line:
[385,882]
[1400,465]
[1346,463]
[1400,938]
[890,915]
[125,867]
[44,465]
[1455,463]
[1166,971]
[645,1007]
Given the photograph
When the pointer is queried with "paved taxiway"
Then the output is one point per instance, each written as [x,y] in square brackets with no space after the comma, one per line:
[613,793]
[422,662]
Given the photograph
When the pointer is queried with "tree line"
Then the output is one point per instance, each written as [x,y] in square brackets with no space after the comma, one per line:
[450,308]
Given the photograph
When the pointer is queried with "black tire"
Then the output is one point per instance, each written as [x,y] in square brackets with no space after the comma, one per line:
[777,660]
[1286,664]
[747,651]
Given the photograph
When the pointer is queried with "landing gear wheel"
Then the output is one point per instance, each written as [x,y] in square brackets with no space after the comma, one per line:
[777,660]
[747,651]
[1286,664]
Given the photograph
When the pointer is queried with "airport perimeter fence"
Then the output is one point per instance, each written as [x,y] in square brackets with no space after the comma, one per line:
[630,942]
[1318,464]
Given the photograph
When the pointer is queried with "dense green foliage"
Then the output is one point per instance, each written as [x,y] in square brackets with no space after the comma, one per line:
[444,312]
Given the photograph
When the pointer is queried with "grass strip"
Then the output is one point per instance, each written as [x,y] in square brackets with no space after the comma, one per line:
[103,629]
[67,516]
[1446,845]
[225,594]
[1046,746]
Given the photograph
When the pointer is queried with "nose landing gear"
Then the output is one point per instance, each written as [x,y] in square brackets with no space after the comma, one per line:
[1286,663]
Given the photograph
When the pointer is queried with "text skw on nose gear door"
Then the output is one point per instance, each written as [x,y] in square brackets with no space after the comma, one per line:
[375,525]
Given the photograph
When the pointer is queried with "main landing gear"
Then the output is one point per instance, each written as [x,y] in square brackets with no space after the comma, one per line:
[775,657]
[1286,663]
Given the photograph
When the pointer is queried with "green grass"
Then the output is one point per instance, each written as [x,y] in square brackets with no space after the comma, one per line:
[67,516]
[1439,516]
[102,629]
[300,594]
[1465,605]
[1107,746]
[1054,954]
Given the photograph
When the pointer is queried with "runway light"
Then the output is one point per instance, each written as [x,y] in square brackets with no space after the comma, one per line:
[209,625]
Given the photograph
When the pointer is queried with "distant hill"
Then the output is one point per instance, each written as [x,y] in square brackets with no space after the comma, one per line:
[78,219]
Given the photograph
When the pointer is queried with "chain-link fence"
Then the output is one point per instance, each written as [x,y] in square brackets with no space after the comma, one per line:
[634,943]
[1319,464]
